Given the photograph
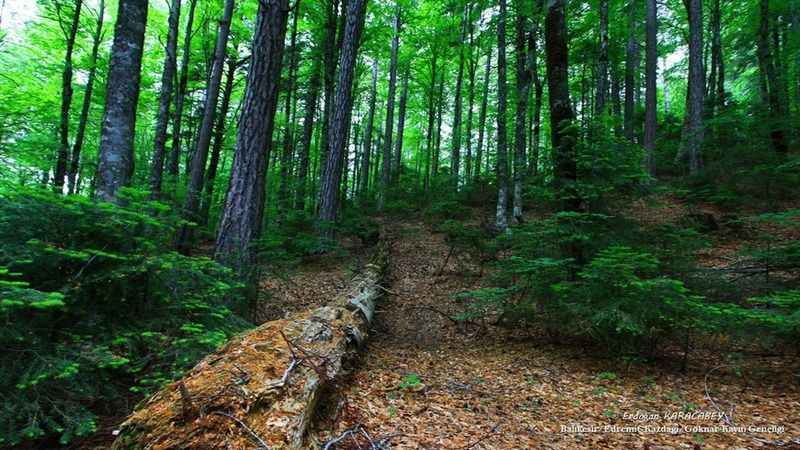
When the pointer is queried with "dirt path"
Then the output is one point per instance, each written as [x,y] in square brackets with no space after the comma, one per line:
[422,384]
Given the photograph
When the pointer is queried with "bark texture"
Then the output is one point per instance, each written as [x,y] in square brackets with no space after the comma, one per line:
[389,127]
[340,124]
[263,387]
[501,216]
[693,128]
[523,93]
[115,164]
[650,102]
[165,98]
[482,115]
[242,213]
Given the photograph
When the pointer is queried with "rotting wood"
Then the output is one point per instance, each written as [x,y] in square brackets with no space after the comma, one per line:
[263,386]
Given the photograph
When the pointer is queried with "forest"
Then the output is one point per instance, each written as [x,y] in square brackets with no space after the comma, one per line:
[399,224]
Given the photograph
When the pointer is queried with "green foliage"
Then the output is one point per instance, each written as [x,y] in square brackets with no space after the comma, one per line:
[94,304]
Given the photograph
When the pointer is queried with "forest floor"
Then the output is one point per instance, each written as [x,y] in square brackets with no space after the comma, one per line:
[425,382]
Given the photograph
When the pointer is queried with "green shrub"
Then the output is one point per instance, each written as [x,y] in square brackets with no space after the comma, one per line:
[96,308]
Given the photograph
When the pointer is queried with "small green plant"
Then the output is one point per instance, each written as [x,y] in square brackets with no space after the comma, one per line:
[607,376]
[410,382]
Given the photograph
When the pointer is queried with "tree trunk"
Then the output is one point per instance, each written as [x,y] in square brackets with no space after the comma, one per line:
[602,61]
[198,173]
[72,174]
[285,372]
[561,116]
[631,66]
[329,61]
[180,95]
[339,125]
[219,138]
[523,93]
[288,134]
[401,125]
[365,159]
[66,100]
[438,147]
[472,68]
[431,117]
[482,114]
[501,219]
[165,98]
[770,85]
[242,213]
[538,91]
[693,130]
[455,163]
[389,127]
[308,131]
[651,105]
[115,163]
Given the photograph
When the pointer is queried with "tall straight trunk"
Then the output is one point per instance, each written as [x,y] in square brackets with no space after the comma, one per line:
[482,115]
[538,92]
[523,93]
[693,129]
[389,127]
[455,164]
[243,210]
[180,95]
[329,51]
[651,101]
[365,159]
[80,133]
[289,108]
[631,66]
[501,219]
[165,99]
[66,100]
[438,147]
[197,176]
[561,115]
[116,159]
[716,49]
[219,139]
[472,68]
[770,85]
[602,61]
[431,118]
[401,125]
[308,130]
[339,125]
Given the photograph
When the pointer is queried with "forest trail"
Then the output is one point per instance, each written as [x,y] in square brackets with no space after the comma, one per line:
[424,382]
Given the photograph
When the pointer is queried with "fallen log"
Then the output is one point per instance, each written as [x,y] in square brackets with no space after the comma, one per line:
[262,388]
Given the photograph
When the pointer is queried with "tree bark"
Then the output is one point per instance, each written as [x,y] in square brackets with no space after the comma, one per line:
[219,139]
[561,115]
[538,94]
[288,364]
[438,147]
[651,73]
[770,84]
[180,95]
[115,164]
[165,98]
[501,169]
[66,100]
[631,66]
[455,163]
[367,152]
[97,37]
[523,93]
[243,211]
[308,131]
[389,127]
[472,68]
[198,171]
[602,61]
[339,125]
[290,104]
[482,114]
[693,129]
[431,117]
[401,125]
[329,62]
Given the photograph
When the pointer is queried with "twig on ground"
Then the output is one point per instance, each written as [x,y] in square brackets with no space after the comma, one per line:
[349,432]
[727,417]
[252,433]
[484,437]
